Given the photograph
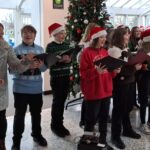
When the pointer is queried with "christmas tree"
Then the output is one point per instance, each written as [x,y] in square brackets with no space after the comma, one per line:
[82,12]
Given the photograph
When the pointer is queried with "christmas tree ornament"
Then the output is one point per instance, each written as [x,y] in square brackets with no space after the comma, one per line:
[78,31]
[84,13]
[75,20]
[86,21]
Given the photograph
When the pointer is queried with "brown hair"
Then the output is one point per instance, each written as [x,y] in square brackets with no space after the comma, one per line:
[28,28]
[134,39]
[145,47]
[94,43]
[85,37]
[117,38]
[109,36]
[1,25]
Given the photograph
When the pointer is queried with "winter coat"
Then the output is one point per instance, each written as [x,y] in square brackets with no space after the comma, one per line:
[8,58]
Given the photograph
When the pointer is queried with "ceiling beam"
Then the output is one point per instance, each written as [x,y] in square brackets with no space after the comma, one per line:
[125,3]
[135,3]
[115,3]
[146,12]
[124,11]
[21,3]
[143,4]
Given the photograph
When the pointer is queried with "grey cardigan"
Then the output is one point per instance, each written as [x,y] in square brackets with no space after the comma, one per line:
[8,58]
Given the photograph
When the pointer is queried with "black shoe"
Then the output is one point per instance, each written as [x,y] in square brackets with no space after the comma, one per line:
[65,131]
[2,145]
[57,131]
[40,140]
[81,124]
[118,143]
[108,147]
[16,143]
[136,106]
[132,134]
[15,147]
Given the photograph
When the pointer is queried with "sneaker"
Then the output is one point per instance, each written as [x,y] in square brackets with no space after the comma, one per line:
[145,129]
[132,134]
[118,143]
[40,140]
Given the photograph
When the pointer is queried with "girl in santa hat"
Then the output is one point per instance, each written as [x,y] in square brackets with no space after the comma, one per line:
[122,95]
[85,43]
[143,83]
[96,86]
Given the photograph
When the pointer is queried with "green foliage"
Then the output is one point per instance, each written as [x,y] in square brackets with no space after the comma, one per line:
[82,12]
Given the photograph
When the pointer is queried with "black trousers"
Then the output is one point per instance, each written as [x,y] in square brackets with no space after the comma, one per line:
[97,110]
[143,94]
[3,124]
[83,110]
[35,103]
[60,90]
[122,106]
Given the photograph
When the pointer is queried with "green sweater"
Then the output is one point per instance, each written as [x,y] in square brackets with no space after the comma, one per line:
[59,69]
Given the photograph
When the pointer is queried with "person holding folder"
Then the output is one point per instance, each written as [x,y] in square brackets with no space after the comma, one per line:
[27,90]
[85,42]
[96,86]
[143,82]
[59,78]
[122,95]
[7,58]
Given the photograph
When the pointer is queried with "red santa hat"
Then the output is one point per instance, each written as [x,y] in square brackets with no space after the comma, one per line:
[97,32]
[55,28]
[145,35]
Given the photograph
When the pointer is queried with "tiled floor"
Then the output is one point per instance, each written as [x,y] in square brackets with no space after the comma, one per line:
[72,117]
[71,122]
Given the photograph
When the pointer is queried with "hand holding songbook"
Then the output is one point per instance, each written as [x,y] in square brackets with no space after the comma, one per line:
[110,63]
[101,68]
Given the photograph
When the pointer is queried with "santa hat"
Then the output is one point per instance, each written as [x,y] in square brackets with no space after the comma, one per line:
[55,28]
[145,35]
[142,28]
[97,32]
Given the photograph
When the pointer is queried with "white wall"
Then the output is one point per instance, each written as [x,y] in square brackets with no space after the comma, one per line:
[49,16]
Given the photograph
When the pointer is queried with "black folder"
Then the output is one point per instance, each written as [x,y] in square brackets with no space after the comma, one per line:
[110,63]
[67,52]
[49,58]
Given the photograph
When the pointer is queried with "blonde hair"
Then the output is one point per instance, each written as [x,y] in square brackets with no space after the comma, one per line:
[85,37]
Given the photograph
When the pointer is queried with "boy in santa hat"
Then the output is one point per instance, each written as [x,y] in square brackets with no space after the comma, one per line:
[96,85]
[60,80]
